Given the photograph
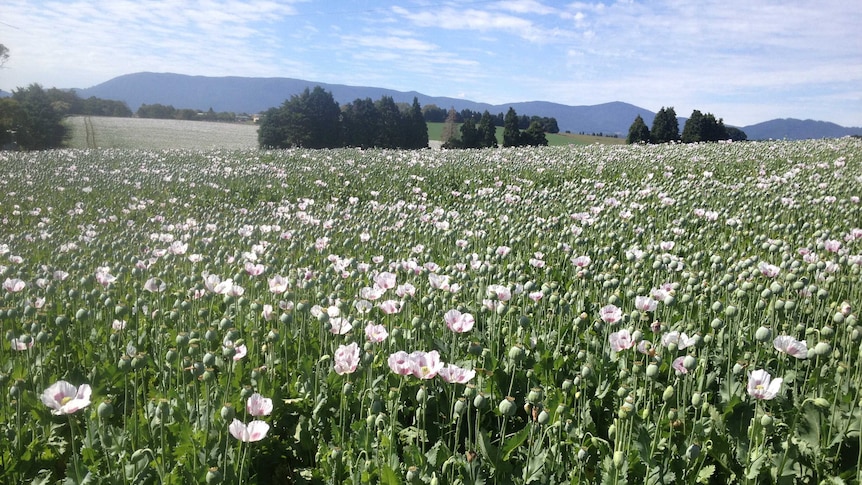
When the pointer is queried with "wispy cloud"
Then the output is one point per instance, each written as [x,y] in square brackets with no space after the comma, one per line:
[745,61]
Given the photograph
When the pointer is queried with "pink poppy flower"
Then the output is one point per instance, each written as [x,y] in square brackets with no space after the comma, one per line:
[645,304]
[503,250]
[621,340]
[240,351]
[267,313]
[371,293]
[439,282]
[390,307]
[14,285]
[501,292]
[254,431]
[257,405]
[791,346]
[278,284]
[458,322]
[581,261]
[20,345]
[375,333]
[400,363]
[64,398]
[155,285]
[405,290]
[385,280]
[346,358]
[104,277]
[768,270]
[762,386]
[456,375]
[682,340]
[425,365]
[536,296]
[610,314]
[678,366]
[339,326]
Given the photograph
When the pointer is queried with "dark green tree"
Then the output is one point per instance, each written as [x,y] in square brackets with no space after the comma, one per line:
[361,123]
[665,127]
[11,117]
[417,129]
[157,110]
[693,130]
[391,133]
[534,135]
[511,132]
[470,136]
[735,134]
[311,119]
[41,126]
[638,132]
[4,54]
[487,131]
[434,113]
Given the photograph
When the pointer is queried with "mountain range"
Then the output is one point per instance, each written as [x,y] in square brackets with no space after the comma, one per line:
[254,95]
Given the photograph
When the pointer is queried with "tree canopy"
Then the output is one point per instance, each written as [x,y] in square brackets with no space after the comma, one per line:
[665,127]
[638,132]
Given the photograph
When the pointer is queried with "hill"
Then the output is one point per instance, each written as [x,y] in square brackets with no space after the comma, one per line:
[794,129]
[254,95]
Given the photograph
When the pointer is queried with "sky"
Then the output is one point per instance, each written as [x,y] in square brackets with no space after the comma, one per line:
[745,61]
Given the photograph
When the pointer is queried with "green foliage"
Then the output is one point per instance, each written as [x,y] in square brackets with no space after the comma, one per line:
[311,119]
[638,132]
[534,135]
[511,132]
[665,127]
[552,400]
[37,119]
[700,127]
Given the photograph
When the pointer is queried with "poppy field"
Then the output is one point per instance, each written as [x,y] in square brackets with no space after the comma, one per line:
[593,314]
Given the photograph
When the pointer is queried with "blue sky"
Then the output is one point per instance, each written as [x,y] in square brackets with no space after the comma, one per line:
[745,61]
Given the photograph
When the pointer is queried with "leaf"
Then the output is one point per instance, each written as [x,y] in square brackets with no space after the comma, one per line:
[388,476]
[515,441]
[704,473]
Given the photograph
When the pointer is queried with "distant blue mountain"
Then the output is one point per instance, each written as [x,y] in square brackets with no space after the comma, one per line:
[254,95]
[794,129]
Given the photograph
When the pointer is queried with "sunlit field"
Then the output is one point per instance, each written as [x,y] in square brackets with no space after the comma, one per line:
[156,134]
[592,314]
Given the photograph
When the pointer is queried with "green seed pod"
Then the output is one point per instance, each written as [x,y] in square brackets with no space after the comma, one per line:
[668,393]
[586,371]
[692,452]
[516,353]
[766,421]
[652,370]
[619,459]
[214,476]
[460,408]
[105,410]
[535,395]
[689,362]
[227,412]
[479,402]
[730,311]
[507,406]
[822,348]
[827,332]
[421,395]
[763,334]
[696,399]
[717,324]
[543,417]
[348,388]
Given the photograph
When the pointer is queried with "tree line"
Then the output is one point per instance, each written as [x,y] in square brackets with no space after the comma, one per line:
[313,119]
[435,114]
[168,112]
[484,133]
[698,128]
[32,118]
